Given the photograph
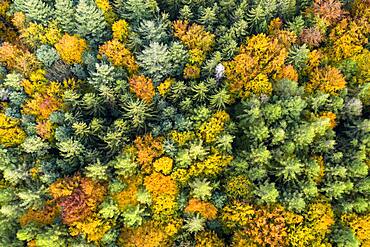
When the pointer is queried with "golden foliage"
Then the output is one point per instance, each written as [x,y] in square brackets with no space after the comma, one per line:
[119,55]
[173,226]
[42,106]
[331,116]
[36,83]
[237,214]
[206,209]
[287,72]
[158,184]
[210,130]
[213,165]
[208,239]
[148,148]
[4,6]
[361,226]
[7,33]
[163,165]
[314,59]
[258,226]
[64,187]
[361,8]
[35,33]
[120,30]
[71,48]
[150,234]
[328,80]
[128,197]
[45,216]
[11,134]
[107,10]
[163,190]
[315,227]
[362,59]
[181,175]
[45,97]
[143,88]
[347,38]
[164,207]
[320,161]
[19,20]
[92,227]
[196,38]
[239,240]
[249,71]
[239,186]
[321,215]
[165,86]
[194,35]
[16,58]
[180,138]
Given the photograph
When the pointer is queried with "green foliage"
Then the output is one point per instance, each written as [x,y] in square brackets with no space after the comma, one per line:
[298,56]
[194,224]
[344,236]
[132,217]
[47,55]
[201,189]
[136,10]
[137,112]
[184,123]
[266,193]
[155,61]
[90,22]
[64,14]
[97,171]
[35,10]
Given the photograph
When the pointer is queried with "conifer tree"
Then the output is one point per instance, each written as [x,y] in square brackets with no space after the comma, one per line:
[155,61]
[90,22]
[64,14]
[136,10]
[35,10]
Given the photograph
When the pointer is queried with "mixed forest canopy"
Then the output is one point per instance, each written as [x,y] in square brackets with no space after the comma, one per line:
[185,123]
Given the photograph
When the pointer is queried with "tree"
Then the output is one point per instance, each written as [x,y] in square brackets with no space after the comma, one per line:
[155,62]
[64,14]
[35,10]
[90,22]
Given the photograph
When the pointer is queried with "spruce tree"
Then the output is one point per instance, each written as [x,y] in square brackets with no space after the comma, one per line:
[90,22]
[35,10]
[136,10]
[64,14]
[155,61]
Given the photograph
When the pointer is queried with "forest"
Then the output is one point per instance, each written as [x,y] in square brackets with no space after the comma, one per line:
[184,123]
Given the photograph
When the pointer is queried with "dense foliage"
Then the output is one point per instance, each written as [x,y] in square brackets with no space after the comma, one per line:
[147,123]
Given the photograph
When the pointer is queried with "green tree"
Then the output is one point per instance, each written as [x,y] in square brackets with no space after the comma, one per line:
[90,22]
[65,15]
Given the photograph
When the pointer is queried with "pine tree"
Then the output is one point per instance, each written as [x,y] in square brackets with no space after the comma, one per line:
[154,61]
[64,14]
[90,22]
[136,10]
[256,19]
[298,56]
[154,31]
[47,55]
[287,8]
[35,10]
[19,5]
